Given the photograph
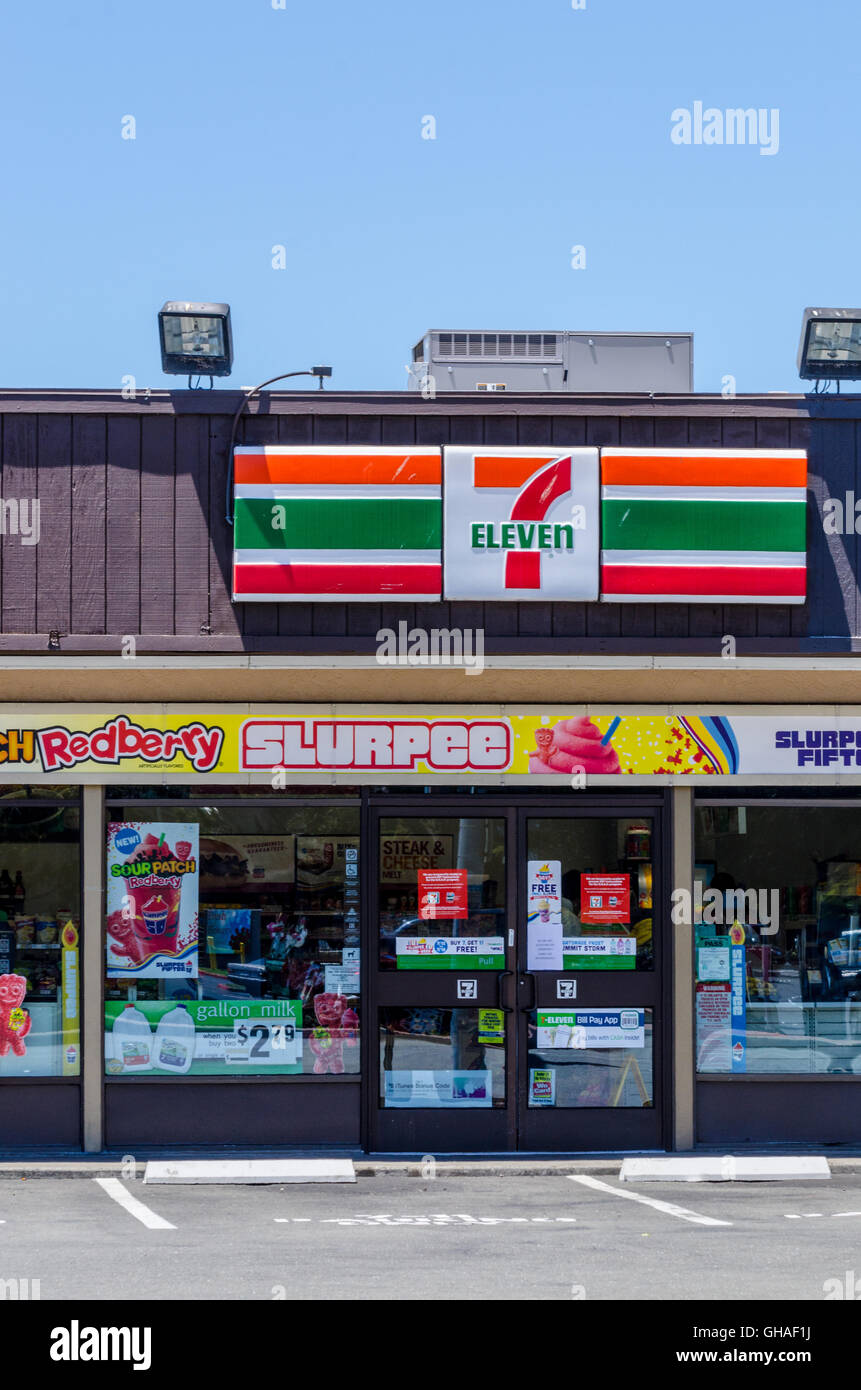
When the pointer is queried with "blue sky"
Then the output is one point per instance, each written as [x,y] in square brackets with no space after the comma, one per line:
[302,127]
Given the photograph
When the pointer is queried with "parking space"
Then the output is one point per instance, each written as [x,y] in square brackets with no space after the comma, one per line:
[408,1238]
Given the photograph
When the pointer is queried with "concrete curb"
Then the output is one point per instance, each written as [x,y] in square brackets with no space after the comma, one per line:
[372,1168]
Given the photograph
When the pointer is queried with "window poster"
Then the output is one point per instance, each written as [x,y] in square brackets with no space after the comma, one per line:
[327,873]
[738,983]
[714,1025]
[438,1090]
[152,900]
[605,898]
[239,863]
[544,915]
[542,1086]
[442,894]
[599,952]
[592,1028]
[203,1037]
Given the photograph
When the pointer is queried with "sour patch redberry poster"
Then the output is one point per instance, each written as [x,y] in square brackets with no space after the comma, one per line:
[152,900]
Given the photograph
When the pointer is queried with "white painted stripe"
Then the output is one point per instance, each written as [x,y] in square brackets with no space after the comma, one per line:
[114,1188]
[657,492]
[704,558]
[337,557]
[670,1208]
[609,596]
[691,450]
[345,450]
[341,492]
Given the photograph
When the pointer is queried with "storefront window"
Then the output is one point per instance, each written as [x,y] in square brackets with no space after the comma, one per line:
[40,922]
[777,921]
[232,941]
[442,1059]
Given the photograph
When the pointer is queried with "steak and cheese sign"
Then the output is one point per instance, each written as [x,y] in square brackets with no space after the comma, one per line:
[521,524]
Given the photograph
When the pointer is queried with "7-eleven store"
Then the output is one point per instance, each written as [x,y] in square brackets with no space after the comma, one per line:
[331,892]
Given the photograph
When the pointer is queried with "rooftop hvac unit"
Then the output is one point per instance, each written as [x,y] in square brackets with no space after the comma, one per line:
[490,386]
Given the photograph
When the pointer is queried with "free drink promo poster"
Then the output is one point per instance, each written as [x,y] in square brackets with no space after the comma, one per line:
[152,900]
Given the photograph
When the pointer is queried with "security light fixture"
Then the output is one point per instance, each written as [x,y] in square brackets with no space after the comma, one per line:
[195,338]
[830,346]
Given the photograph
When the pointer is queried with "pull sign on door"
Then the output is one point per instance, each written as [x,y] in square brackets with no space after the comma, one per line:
[467,989]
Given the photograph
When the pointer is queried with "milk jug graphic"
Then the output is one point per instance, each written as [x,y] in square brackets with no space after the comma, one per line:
[132,1039]
[174,1041]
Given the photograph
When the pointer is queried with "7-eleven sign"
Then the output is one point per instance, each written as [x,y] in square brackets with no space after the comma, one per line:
[521,524]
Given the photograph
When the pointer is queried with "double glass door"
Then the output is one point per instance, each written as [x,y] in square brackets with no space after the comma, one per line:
[517,984]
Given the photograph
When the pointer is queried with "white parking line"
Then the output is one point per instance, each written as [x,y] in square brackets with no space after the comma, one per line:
[815,1215]
[669,1207]
[437,1219]
[115,1189]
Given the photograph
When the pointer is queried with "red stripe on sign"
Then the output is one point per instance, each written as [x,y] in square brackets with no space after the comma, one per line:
[337,579]
[523,568]
[754,580]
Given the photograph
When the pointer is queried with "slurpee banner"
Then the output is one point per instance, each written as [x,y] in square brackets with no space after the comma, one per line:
[294,744]
[152,894]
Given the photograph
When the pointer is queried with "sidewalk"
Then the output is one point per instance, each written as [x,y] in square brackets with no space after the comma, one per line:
[103,1166]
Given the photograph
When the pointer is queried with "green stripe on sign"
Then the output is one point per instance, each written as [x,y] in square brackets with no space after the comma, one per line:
[629,524]
[324,523]
[447,962]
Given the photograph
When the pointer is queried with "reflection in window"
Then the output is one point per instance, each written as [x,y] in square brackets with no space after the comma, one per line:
[590,1059]
[441,1059]
[468,857]
[603,927]
[776,917]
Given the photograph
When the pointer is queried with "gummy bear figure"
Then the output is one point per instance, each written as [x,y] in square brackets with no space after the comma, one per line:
[14,1022]
[338,1025]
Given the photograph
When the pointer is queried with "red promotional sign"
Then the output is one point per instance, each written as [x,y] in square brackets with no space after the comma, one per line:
[442,894]
[605,898]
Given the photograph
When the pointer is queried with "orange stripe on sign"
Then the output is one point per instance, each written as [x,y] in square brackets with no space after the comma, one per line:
[494,471]
[695,470]
[358,469]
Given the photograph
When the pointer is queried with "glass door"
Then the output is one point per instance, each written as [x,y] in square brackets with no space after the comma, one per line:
[517,978]
[443,1071]
[589,973]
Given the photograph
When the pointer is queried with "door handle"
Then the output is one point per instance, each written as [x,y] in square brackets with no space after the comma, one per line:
[527,975]
[502,976]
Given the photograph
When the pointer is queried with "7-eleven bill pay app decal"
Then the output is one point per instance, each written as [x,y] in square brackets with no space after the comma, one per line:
[521,523]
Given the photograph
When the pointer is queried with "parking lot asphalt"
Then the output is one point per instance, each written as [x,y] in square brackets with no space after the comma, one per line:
[405,1238]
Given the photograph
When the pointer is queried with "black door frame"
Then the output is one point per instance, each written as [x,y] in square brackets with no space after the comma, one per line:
[496,1131]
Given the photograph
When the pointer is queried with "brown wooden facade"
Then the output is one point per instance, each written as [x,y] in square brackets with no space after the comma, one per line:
[134,538]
